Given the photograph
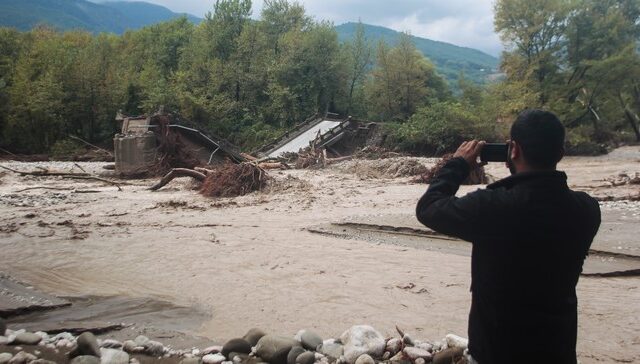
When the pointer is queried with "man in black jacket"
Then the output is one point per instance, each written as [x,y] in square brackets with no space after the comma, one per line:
[530,236]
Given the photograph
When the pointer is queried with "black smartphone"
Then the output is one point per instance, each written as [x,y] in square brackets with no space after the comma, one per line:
[494,152]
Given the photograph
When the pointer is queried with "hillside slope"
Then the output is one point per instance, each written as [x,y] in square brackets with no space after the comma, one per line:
[113,17]
[449,59]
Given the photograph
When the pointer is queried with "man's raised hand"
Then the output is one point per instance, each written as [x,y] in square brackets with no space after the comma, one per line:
[470,151]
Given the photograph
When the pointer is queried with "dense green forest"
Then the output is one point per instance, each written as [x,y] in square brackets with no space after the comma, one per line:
[249,80]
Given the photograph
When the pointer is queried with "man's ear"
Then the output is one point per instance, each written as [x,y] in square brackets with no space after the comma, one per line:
[515,150]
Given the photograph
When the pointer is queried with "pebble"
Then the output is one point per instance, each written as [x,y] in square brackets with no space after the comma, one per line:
[64,343]
[113,356]
[365,359]
[22,358]
[447,356]
[362,339]
[399,358]
[236,345]
[190,361]
[455,341]
[424,345]
[153,348]
[274,349]
[394,345]
[5,357]
[86,344]
[195,352]
[26,338]
[386,355]
[308,357]
[332,349]
[111,344]
[309,339]
[85,359]
[43,335]
[213,359]
[293,354]
[414,353]
[4,340]
[252,336]
[407,340]
[130,346]
[420,361]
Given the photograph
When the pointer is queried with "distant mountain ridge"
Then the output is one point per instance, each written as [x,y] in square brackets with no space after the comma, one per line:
[112,16]
[450,60]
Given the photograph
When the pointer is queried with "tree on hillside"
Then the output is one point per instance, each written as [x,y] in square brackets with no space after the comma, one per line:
[359,57]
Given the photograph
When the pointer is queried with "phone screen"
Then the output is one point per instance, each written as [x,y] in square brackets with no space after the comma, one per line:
[494,152]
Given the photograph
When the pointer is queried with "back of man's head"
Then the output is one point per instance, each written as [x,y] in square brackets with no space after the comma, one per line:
[540,135]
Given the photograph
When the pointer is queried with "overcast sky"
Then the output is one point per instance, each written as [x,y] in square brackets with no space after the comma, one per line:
[461,22]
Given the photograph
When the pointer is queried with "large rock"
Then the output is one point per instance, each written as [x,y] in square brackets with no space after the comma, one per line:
[26,338]
[448,356]
[236,346]
[113,356]
[85,359]
[309,339]
[86,344]
[362,339]
[5,357]
[331,349]
[293,354]
[274,349]
[252,336]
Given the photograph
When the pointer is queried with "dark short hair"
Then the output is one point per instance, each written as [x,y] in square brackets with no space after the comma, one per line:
[541,136]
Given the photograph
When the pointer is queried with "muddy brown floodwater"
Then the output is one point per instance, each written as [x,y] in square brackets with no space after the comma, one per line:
[259,261]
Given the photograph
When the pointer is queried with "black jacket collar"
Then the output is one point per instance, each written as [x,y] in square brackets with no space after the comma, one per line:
[537,177]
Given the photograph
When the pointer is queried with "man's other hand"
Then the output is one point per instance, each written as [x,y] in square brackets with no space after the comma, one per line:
[470,151]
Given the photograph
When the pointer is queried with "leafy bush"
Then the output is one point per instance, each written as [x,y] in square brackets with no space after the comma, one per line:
[440,129]
[65,150]
[580,141]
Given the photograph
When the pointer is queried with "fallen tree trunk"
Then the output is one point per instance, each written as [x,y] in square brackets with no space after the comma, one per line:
[175,173]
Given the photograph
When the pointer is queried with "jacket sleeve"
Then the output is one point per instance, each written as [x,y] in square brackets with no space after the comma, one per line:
[441,211]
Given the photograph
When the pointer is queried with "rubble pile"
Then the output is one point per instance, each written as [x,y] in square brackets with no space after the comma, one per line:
[231,180]
[359,344]
[476,177]
[384,168]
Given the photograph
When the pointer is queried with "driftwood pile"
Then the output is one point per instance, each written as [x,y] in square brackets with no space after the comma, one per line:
[172,153]
[476,177]
[226,180]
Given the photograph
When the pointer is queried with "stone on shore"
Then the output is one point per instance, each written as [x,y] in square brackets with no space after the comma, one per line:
[394,345]
[331,349]
[85,359]
[5,357]
[309,339]
[293,354]
[26,338]
[153,348]
[215,349]
[22,358]
[86,344]
[237,346]
[455,341]
[362,339]
[190,361]
[448,356]
[414,353]
[274,349]
[111,344]
[141,340]
[308,357]
[365,359]
[113,356]
[252,336]
[213,359]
